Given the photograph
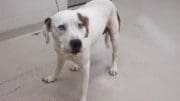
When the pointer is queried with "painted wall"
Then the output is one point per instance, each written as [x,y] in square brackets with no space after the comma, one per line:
[75,2]
[18,13]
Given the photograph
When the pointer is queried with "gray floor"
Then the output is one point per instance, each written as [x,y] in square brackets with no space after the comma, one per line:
[148,66]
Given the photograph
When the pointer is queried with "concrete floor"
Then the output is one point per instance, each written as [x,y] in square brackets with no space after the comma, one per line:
[149,67]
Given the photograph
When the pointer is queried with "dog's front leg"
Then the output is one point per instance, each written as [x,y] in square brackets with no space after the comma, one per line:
[84,63]
[85,80]
[53,77]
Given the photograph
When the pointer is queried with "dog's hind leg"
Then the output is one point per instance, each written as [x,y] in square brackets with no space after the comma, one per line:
[114,37]
[106,39]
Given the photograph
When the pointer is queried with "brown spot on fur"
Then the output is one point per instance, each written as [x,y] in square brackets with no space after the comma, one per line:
[119,20]
[85,21]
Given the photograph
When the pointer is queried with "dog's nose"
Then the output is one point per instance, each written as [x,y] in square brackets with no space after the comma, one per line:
[75,45]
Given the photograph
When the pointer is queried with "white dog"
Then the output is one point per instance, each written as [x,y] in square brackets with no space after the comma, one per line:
[75,31]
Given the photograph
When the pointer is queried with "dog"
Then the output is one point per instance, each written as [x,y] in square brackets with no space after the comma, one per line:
[75,31]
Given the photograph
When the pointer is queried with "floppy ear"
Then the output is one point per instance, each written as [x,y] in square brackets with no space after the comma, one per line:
[85,21]
[46,29]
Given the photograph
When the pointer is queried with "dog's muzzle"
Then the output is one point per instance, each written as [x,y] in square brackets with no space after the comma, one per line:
[76,45]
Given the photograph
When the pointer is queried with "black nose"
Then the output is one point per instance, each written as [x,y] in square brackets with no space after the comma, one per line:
[75,45]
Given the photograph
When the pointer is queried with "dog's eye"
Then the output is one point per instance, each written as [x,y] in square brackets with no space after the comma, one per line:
[62,27]
[80,25]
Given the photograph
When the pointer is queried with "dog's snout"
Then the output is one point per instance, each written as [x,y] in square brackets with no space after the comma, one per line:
[76,45]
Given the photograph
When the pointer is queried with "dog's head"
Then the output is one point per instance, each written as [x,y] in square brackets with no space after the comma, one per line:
[69,29]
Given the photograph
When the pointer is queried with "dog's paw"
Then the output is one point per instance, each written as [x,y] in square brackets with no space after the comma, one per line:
[113,71]
[49,79]
[74,68]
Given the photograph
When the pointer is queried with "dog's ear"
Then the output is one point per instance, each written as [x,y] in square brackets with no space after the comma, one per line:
[46,29]
[85,21]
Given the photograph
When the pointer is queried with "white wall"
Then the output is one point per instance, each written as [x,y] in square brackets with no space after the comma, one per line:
[18,13]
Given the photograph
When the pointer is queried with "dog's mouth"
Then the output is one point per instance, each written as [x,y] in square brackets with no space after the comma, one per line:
[75,51]
[72,51]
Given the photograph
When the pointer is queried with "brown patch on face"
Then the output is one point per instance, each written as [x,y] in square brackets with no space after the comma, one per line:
[119,20]
[85,22]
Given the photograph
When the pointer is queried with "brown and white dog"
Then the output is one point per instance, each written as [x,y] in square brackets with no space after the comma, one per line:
[75,31]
